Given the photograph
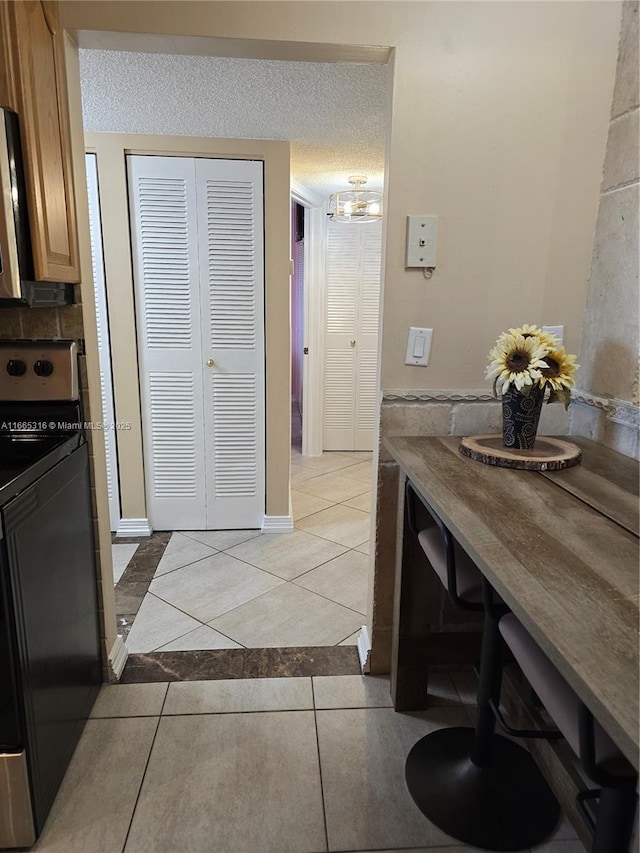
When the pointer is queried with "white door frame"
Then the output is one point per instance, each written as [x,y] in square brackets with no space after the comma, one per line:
[315,229]
[104,341]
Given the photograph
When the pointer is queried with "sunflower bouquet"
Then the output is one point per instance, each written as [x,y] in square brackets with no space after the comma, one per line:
[528,359]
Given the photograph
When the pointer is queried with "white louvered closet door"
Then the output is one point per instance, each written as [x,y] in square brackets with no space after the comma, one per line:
[343,264]
[104,344]
[351,335]
[367,337]
[162,196]
[231,249]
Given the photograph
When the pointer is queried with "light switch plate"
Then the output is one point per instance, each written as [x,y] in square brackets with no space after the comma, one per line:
[418,346]
[558,331]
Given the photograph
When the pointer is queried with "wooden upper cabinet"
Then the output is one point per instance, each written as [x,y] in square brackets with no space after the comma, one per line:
[33,83]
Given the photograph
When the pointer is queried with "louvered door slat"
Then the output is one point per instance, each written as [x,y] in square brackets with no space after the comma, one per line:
[165,249]
[104,347]
[231,250]
[165,263]
[366,407]
[339,390]
[230,260]
[369,296]
[235,436]
[173,435]
[343,257]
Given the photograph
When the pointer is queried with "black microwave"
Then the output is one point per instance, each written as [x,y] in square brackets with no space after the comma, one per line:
[18,286]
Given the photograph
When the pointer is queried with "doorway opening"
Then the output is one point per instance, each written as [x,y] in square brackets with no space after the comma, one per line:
[306,587]
[299,350]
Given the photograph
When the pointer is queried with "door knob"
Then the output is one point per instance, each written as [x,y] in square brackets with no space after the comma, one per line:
[353,343]
[210,362]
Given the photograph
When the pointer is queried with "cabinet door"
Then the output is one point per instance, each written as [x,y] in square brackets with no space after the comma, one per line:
[33,76]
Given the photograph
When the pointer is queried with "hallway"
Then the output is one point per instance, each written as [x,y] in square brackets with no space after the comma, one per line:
[243,589]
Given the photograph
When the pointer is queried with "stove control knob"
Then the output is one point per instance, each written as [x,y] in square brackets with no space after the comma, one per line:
[43,368]
[16,367]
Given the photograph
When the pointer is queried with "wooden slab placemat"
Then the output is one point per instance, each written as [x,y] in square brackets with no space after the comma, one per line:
[547,454]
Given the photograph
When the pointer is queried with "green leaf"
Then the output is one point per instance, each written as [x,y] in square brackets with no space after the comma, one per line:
[563,396]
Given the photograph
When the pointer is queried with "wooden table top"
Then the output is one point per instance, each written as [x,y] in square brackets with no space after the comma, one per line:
[567,571]
[606,480]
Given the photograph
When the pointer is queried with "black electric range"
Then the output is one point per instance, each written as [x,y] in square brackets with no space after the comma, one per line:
[27,454]
[40,410]
[50,665]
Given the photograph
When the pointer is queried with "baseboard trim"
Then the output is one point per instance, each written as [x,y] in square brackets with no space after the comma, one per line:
[364,648]
[277,524]
[118,658]
[134,527]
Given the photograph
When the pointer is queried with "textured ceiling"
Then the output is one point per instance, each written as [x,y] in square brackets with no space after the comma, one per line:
[333,113]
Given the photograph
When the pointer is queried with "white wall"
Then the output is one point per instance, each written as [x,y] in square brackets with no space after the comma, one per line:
[498,124]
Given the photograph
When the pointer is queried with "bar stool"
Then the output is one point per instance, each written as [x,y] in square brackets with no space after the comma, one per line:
[602,761]
[478,787]
[457,572]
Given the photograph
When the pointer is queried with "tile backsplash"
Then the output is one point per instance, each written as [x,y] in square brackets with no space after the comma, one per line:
[63,322]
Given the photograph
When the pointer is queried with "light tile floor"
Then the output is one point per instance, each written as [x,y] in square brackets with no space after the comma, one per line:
[282,765]
[240,588]
[121,555]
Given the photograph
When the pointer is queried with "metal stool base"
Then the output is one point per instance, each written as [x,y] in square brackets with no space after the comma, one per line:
[504,806]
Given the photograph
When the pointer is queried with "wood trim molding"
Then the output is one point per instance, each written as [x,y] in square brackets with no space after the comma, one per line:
[277,524]
[364,649]
[304,196]
[314,309]
[117,658]
[134,527]
[50,11]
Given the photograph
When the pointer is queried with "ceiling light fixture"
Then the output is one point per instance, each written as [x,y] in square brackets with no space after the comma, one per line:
[356,205]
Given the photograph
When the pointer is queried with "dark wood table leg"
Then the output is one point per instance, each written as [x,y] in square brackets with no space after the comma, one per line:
[409,669]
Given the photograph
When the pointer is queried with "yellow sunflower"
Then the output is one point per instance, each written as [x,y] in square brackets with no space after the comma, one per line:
[559,374]
[516,359]
[546,339]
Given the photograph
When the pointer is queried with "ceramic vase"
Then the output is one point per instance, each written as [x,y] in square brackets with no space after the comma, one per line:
[520,417]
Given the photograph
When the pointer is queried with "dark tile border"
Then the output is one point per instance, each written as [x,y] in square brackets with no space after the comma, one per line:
[134,583]
[241,663]
[301,660]
[216,663]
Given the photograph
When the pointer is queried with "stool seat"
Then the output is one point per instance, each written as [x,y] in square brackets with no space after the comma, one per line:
[558,698]
[474,785]
[468,577]
[601,760]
